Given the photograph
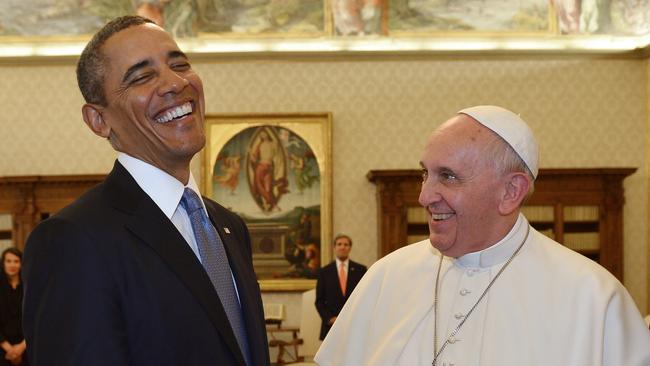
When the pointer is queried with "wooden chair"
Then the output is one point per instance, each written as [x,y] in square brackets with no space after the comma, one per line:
[285,348]
[304,342]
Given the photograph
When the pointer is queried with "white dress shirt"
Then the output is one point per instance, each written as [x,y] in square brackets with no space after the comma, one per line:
[346,266]
[166,192]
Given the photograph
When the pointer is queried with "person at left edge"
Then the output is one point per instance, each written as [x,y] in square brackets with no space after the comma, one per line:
[116,278]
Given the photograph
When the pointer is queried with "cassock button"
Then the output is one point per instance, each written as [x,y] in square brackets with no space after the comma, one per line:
[452,340]
[470,272]
[459,316]
[464,292]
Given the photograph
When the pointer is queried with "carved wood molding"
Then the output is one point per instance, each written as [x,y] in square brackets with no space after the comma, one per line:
[29,199]
[397,190]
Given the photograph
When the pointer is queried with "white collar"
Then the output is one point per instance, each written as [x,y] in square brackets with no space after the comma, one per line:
[338,262]
[165,190]
[498,252]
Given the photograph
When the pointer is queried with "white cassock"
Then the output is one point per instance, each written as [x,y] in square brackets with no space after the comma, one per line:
[551,306]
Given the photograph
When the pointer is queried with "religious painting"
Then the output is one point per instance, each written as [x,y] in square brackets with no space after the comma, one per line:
[488,16]
[182,18]
[359,17]
[274,172]
[617,17]
[40,18]
[263,17]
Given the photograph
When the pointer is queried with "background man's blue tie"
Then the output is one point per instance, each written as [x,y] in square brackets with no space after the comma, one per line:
[215,262]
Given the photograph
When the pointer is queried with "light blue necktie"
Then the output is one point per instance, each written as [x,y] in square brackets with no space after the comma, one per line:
[215,262]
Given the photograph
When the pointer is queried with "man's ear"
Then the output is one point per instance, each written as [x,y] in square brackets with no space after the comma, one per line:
[516,188]
[92,115]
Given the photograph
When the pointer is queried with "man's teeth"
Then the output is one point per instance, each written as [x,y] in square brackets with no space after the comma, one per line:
[175,113]
[438,217]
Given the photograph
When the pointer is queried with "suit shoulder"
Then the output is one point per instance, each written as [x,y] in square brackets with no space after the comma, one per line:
[329,266]
[220,210]
[358,265]
[92,205]
[85,204]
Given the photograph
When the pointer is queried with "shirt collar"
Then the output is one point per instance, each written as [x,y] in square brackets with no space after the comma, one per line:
[165,190]
[345,262]
[498,252]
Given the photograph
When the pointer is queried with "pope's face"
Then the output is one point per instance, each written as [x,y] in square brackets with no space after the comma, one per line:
[460,188]
[155,103]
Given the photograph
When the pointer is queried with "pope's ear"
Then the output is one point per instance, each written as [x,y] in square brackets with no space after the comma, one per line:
[516,188]
[92,115]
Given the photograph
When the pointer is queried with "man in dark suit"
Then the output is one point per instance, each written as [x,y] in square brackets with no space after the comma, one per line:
[336,281]
[123,276]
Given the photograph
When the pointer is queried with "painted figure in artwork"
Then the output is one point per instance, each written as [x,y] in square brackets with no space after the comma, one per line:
[304,252]
[229,178]
[305,170]
[357,17]
[267,163]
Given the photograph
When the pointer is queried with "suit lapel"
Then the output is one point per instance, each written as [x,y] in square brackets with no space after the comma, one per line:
[148,223]
[337,283]
[354,274]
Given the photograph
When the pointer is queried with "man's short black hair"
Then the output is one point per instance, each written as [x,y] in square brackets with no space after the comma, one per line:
[91,66]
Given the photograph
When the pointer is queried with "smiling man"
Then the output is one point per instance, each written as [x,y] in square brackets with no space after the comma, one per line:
[485,288]
[141,270]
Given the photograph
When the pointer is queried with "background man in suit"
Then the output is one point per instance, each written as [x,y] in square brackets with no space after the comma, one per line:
[336,281]
[127,275]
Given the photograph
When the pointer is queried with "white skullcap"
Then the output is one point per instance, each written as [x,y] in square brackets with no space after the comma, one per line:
[511,128]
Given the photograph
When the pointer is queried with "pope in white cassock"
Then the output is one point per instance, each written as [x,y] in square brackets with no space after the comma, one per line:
[486,288]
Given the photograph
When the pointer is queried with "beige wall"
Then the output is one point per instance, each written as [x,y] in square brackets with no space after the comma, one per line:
[586,112]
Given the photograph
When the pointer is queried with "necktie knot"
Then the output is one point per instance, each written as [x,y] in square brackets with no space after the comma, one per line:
[190,201]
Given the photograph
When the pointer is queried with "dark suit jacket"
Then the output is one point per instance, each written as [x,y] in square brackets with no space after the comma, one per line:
[110,281]
[329,298]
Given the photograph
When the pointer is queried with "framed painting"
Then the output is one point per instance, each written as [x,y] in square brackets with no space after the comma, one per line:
[263,18]
[274,171]
[484,16]
[68,18]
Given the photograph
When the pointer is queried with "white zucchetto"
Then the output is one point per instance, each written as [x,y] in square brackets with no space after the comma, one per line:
[514,130]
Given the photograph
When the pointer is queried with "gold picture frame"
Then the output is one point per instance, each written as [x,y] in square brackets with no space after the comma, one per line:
[183,19]
[275,171]
[60,30]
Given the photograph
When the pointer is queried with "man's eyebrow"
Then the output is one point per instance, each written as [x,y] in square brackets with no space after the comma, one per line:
[145,63]
[134,68]
[176,54]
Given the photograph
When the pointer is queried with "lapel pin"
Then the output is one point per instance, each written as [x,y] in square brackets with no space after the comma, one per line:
[226,230]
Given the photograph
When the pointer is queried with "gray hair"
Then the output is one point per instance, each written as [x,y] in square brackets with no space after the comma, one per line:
[506,160]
